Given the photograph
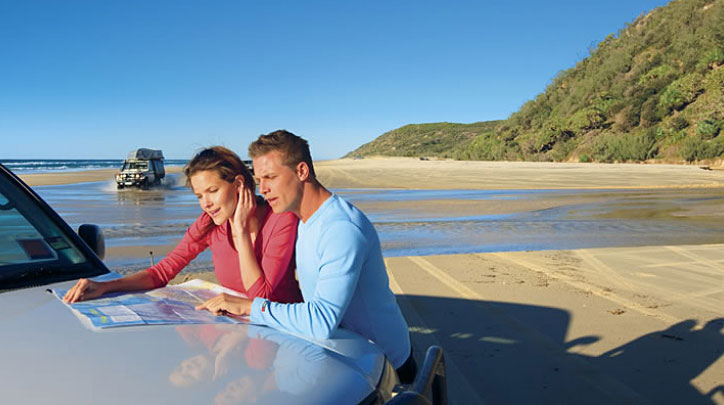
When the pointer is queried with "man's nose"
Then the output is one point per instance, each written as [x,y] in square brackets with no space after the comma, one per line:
[263,187]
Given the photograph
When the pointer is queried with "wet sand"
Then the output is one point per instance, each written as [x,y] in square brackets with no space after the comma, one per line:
[48,179]
[611,325]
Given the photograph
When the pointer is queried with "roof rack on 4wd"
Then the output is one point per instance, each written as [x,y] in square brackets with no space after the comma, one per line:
[145,154]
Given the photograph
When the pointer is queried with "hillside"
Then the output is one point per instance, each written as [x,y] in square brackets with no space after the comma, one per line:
[414,140]
[654,90]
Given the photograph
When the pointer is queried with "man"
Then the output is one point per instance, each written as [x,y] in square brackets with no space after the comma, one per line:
[339,259]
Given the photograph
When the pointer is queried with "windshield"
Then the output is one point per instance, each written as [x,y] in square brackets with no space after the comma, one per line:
[135,166]
[32,245]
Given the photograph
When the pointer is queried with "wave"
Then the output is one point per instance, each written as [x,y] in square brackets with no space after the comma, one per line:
[26,166]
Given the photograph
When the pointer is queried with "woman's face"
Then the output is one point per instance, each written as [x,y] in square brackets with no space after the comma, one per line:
[217,197]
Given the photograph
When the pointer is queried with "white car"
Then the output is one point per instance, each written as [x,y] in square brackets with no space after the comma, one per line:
[49,356]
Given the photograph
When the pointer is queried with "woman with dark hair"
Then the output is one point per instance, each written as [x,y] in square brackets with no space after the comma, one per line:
[252,247]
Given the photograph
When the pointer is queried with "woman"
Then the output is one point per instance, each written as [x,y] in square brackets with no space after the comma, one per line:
[252,248]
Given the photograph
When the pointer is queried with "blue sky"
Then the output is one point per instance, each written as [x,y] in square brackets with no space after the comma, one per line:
[95,79]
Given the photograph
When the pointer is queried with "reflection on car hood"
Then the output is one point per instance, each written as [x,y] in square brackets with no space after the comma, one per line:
[50,357]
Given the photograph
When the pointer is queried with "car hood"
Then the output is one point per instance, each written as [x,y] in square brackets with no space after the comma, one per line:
[50,357]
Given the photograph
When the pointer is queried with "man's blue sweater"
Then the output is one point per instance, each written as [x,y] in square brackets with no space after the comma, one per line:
[344,283]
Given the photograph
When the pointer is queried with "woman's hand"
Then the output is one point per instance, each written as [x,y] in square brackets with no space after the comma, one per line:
[224,304]
[245,207]
[83,290]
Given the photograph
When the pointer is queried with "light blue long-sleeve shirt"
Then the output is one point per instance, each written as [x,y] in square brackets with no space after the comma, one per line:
[344,283]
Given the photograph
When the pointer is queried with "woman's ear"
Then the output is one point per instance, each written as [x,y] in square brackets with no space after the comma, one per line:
[239,180]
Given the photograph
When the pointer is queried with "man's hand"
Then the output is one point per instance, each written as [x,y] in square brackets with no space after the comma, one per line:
[224,304]
[83,290]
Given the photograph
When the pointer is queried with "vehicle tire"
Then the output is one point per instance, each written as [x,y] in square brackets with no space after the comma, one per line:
[144,184]
[119,186]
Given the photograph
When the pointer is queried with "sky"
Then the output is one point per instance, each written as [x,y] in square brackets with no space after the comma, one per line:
[98,78]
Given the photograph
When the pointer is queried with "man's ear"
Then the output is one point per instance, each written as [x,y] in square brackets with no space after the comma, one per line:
[302,171]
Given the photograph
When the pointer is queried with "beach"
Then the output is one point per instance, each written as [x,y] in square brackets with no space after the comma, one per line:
[617,318]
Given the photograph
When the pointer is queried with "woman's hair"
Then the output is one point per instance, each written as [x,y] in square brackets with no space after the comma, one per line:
[223,161]
[228,165]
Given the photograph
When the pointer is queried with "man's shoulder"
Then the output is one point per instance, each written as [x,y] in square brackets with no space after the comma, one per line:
[340,209]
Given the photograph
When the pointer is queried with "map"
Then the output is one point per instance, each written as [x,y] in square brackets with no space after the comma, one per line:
[174,304]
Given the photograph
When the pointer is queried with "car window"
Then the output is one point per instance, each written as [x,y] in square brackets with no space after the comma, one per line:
[28,236]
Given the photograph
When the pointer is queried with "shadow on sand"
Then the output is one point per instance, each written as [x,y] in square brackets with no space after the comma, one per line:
[513,353]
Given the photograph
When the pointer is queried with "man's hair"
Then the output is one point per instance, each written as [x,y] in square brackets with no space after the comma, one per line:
[293,148]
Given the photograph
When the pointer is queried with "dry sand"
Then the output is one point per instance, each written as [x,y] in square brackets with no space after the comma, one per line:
[411,173]
[615,325]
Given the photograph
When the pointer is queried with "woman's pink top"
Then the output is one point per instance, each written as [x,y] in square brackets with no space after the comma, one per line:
[274,247]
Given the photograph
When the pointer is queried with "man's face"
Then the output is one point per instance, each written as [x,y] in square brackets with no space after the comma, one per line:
[279,184]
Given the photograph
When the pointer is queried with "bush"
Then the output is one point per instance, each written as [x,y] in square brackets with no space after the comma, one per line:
[708,128]
[713,57]
[678,123]
[484,147]
[695,148]
[661,71]
[681,92]
[714,82]
[586,119]
[623,148]
[650,113]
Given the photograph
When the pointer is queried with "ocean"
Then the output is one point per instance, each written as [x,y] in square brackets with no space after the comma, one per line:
[26,166]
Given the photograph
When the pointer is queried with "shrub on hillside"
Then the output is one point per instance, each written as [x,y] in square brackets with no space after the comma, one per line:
[661,71]
[713,58]
[714,82]
[586,119]
[623,148]
[709,128]
[681,92]
[678,122]
[695,148]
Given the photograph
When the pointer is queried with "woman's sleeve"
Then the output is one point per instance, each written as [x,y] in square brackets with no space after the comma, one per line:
[275,256]
[194,242]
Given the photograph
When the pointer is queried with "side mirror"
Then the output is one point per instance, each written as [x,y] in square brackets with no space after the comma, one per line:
[93,237]
[430,382]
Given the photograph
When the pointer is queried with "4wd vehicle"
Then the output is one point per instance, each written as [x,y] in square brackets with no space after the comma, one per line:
[49,356]
[142,168]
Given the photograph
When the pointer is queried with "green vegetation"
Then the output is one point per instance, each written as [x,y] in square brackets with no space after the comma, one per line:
[438,139]
[654,90]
